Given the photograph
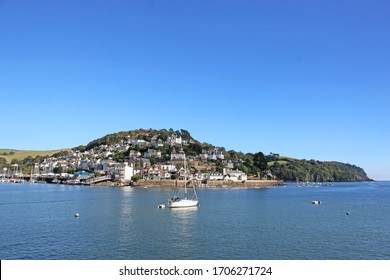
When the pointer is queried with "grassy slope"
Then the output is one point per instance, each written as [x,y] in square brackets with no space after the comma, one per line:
[21,154]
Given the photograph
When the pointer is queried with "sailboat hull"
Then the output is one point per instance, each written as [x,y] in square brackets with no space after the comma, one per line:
[183,203]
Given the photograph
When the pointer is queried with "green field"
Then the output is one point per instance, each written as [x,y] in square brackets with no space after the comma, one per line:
[10,154]
[281,162]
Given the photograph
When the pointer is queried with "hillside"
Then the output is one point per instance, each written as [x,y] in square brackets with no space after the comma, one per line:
[24,158]
[271,166]
[158,146]
[10,154]
[294,170]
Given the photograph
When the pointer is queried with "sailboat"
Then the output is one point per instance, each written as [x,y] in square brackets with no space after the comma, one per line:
[185,199]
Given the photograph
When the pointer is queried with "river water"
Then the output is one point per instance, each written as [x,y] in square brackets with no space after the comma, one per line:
[37,221]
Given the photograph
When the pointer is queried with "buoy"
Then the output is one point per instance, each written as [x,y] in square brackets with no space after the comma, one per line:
[77,215]
[348,213]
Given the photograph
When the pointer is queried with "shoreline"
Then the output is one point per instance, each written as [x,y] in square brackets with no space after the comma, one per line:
[209,184]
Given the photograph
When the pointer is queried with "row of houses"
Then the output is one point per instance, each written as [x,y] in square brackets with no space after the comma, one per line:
[125,172]
[142,167]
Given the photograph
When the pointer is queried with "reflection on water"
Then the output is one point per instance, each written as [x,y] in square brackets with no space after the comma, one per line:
[182,232]
[184,219]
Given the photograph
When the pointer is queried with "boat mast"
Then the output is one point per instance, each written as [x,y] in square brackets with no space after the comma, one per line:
[185,178]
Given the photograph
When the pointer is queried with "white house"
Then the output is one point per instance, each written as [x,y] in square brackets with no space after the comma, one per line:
[168,167]
[175,139]
[123,172]
[220,155]
[234,175]
[215,176]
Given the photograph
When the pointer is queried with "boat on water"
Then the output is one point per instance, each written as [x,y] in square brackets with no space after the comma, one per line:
[184,202]
[185,197]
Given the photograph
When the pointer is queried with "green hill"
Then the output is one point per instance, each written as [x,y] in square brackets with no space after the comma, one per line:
[24,158]
[253,164]
[290,169]
[10,154]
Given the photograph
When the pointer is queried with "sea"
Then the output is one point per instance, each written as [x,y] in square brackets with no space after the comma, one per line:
[39,221]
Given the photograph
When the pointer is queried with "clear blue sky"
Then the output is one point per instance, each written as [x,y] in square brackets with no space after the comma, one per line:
[306,79]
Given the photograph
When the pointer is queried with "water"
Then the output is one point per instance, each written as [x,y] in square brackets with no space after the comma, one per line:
[38,222]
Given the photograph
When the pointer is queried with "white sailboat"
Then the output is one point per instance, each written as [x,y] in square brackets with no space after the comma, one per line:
[184,199]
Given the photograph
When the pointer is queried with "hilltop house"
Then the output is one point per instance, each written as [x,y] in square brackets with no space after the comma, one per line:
[174,140]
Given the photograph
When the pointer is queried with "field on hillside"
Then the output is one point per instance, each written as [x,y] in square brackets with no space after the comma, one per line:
[10,154]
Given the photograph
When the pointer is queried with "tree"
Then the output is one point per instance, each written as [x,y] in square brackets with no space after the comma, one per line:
[260,161]
[185,134]
[136,177]
[57,169]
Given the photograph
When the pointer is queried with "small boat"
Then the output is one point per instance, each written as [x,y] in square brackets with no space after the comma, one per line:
[161,206]
[316,202]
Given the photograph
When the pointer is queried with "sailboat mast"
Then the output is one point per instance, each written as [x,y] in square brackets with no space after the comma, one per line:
[185,177]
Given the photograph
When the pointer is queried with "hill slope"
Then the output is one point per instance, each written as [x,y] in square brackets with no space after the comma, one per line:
[10,154]
[125,144]
[290,169]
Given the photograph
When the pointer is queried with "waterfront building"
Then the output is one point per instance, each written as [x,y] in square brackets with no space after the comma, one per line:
[123,172]
[234,175]
[215,176]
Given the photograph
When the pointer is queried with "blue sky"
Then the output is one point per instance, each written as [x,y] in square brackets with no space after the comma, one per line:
[306,79]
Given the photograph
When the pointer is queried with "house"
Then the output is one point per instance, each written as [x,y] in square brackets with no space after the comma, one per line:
[158,144]
[140,142]
[175,140]
[204,155]
[123,172]
[234,175]
[151,153]
[220,155]
[212,154]
[134,154]
[154,172]
[215,176]
[177,156]
[168,167]
[229,164]
[182,174]
[165,175]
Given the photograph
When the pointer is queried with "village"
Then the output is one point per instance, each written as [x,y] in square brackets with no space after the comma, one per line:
[144,164]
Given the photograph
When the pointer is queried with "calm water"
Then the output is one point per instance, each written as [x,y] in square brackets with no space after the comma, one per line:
[38,222]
